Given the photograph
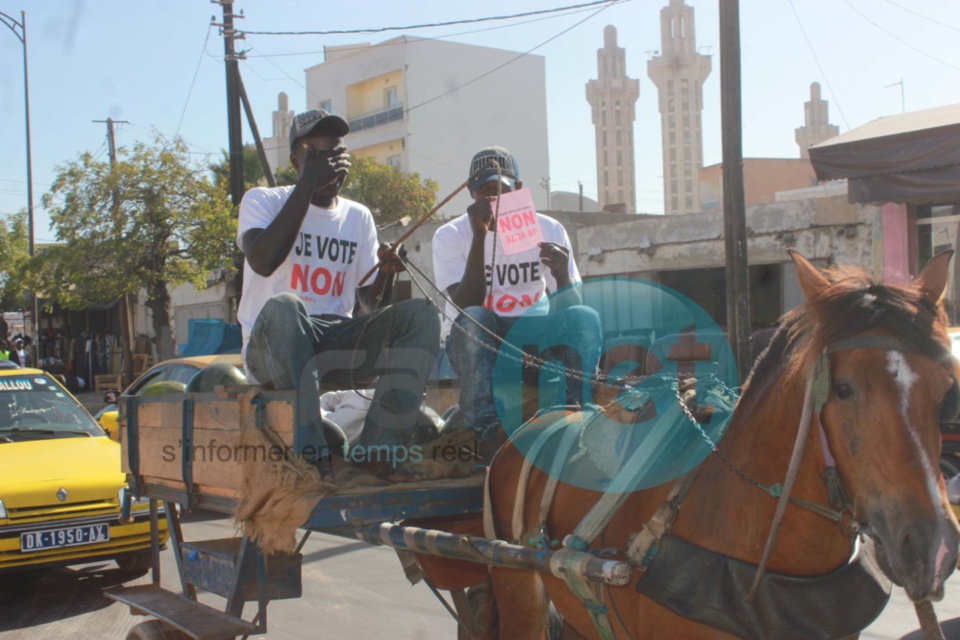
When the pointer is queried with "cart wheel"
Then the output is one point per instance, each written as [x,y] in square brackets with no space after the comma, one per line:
[136,562]
[154,630]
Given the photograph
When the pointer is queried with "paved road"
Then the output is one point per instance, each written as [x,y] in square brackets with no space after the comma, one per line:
[351,591]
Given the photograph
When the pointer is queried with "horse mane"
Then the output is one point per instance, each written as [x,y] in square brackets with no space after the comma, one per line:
[852,303]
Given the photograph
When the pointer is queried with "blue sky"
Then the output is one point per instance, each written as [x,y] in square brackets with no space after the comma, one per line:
[135,61]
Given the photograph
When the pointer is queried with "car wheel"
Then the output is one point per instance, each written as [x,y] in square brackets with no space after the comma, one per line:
[154,630]
[135,562]
[949,466]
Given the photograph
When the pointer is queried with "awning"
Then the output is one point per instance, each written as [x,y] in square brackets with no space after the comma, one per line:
[913,158]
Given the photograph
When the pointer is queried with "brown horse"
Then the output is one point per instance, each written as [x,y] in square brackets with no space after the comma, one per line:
[880,423]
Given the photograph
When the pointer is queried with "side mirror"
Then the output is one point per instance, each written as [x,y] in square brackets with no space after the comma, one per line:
[110,397]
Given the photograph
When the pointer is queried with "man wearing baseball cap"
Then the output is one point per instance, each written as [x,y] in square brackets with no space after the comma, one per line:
[306,249]
[501,294]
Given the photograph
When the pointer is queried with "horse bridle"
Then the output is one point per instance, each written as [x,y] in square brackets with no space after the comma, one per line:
[817,393]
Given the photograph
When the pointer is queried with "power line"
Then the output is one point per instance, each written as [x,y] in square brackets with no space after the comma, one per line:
[819,66]
[194,81]
[429,39]
[606,5]
[899,39]
[429,25]
[927,18]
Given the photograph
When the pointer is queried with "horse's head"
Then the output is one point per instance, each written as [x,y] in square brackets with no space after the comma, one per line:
[891,380]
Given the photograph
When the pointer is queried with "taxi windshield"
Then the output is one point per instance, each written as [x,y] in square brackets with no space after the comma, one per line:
[33,405]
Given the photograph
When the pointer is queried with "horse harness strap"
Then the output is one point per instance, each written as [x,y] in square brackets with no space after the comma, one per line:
[644,544]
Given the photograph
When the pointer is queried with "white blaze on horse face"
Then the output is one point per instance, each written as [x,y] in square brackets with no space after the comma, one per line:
[905,378]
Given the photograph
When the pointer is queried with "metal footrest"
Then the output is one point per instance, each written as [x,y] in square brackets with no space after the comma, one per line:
[192,618]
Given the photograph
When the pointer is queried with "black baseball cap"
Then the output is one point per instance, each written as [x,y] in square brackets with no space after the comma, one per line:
[483,167]
[310,121]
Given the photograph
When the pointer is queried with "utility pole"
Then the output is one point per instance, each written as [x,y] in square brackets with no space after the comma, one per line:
[903,100]
[580,185]
[734,209]
[126,320]
[233,98]
[545,183]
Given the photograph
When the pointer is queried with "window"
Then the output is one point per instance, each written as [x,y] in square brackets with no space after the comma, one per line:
[617,117]
[619,157]
[326,105]
[603,118]
[606,178]
[689,202]
[619,178]
[673,155]
[605,160]
[673,138]
[391,97]
[394,161]
[619,138]
[604,138]
[669,87]
[675,203]
[671,121]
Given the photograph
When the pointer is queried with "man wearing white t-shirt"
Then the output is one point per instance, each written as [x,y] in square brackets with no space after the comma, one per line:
[306,249]
[506,294]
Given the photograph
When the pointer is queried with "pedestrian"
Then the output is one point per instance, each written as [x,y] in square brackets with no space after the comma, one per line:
[306,248]
[4,350]
[463,261]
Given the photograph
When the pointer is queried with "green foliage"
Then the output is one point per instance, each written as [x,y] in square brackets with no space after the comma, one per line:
[153,220]
[253,175]
[389,193]
[14,255]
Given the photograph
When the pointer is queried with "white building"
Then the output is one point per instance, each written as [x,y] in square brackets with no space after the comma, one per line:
[426,106]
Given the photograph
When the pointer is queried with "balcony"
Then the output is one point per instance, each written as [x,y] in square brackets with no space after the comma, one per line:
[376,118]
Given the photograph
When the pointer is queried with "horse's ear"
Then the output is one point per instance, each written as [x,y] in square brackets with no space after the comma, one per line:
[933,278]
[810,278]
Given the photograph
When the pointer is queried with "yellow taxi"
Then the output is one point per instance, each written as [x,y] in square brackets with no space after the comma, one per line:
[61,487]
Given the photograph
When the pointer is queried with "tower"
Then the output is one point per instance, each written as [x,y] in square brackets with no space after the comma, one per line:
[816,119]
[612,97]
[679,73]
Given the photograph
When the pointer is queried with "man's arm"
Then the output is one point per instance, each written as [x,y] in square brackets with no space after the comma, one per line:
[470,291]
[556,258]
[380,293]
[266,249]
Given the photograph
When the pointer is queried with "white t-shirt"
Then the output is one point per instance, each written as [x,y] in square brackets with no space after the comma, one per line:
[519,281]
[335,248]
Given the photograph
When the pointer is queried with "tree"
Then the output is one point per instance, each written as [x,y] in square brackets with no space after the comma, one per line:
[252,170]
[389,193]
[14,254]
[152,221]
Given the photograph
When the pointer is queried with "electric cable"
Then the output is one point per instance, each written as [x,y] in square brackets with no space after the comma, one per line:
[337,32]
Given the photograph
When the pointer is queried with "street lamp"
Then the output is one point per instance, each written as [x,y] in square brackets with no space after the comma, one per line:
[19,29]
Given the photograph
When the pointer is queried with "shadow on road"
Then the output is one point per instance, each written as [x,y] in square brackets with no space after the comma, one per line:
[951,631]
[40,597]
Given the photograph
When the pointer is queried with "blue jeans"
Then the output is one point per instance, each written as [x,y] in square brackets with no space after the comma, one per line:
[292,350]
[572,337]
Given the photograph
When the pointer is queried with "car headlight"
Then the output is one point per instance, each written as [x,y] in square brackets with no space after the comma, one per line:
[3,511]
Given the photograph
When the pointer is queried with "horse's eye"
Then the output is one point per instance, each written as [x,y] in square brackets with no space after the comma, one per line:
[842,390]
[950,406]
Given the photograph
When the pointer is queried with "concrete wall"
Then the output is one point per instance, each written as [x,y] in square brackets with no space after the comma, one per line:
[826,228]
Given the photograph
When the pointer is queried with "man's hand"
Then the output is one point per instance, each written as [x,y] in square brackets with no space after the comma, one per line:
[556,257]
[390,258]
[321,168]
[481,215]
